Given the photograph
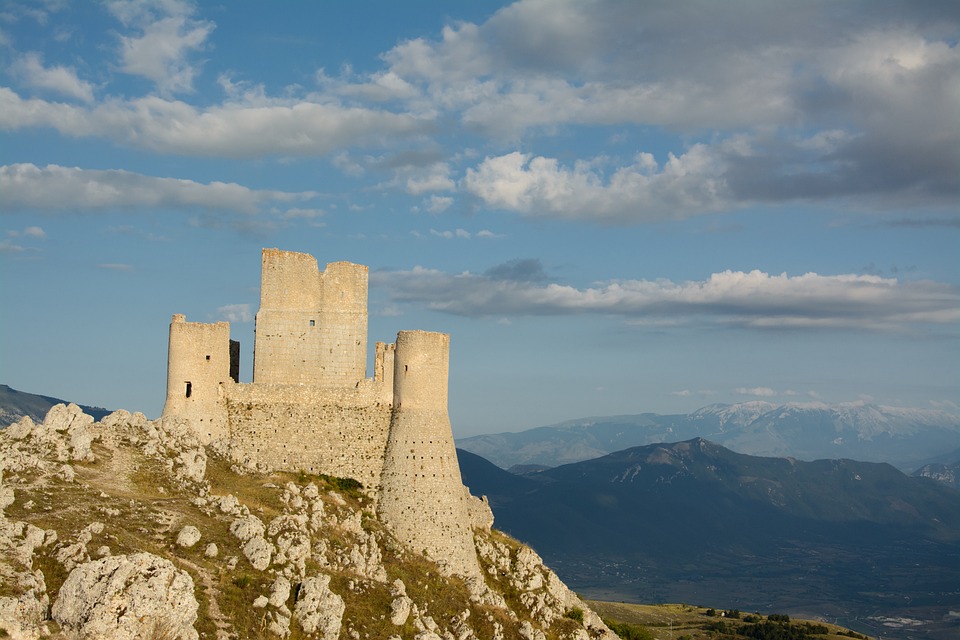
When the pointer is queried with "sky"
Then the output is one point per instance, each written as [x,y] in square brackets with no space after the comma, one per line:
[612,207]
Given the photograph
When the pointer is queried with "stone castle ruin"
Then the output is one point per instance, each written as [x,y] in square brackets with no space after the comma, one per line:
[311,406]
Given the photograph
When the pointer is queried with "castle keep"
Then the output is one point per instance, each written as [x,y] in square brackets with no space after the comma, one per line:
[311,406]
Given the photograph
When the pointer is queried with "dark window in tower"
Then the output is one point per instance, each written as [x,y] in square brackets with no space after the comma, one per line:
[189,389]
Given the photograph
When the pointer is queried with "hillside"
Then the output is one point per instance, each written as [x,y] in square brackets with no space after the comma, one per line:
[16,404]
[905,438]
[695,522]
[128,528]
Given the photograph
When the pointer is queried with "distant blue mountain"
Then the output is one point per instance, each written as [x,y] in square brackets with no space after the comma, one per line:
[906,438]
[695,522]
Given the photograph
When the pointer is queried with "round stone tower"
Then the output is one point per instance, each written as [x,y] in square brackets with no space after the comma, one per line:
[199,362]
[422,497]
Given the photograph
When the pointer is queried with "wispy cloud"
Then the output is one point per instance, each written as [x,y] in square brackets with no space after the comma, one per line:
[239,313]
[55,188]
[116,266]
[29,68]
[733,298]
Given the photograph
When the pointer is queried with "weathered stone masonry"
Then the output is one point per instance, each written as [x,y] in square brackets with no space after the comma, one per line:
[311,407]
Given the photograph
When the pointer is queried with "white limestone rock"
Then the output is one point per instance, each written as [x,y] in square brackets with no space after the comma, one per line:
[211,551]
[400,610]
[192,465]
[20,429]
[126,598]
[279,592]
[258,552]
[319,610]
[247,528]
[188,536]
[23,615]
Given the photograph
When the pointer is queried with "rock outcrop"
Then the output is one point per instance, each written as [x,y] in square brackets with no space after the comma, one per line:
[302,555]
[126,598]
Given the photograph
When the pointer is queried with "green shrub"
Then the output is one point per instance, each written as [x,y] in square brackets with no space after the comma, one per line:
[628,631]
[575,614]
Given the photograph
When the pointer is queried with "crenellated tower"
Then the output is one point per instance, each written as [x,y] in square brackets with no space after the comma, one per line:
[312,324]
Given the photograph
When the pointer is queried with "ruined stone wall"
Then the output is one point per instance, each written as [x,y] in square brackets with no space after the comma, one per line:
[422,498]
[312,325]
[338,432]
[198,367]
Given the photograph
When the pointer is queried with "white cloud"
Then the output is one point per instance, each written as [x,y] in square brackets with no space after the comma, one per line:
[433,178]
[167,36]
[10,247]
[63,80]
[462,234]
[538,186]
[438,204]
[235,313]
[762,392]
[34,232]
[734,298]
[229,130]
[56,188]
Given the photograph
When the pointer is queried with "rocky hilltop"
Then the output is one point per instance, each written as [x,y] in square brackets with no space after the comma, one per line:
[130,528]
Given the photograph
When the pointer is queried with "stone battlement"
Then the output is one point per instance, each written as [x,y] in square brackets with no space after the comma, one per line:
[310,406]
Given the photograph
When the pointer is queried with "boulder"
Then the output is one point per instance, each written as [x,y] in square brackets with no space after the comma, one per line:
[188,536]
[319,610]
[126,598]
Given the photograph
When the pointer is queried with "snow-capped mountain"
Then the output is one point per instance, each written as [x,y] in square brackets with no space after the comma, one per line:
[901,436]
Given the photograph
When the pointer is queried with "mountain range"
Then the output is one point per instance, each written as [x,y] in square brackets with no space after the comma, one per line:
[855,542]
[906,438]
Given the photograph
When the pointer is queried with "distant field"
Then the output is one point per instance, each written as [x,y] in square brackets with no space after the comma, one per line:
[675,621]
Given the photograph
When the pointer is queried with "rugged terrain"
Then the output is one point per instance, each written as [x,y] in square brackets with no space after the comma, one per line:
[837,540]
[128,528]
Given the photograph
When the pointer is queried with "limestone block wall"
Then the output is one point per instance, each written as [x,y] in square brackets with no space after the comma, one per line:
[312,325]
[199,366]
[340,432]
[422,498]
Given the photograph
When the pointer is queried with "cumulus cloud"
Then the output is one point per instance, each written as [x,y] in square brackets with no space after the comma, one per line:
[732,298]
[56,188]
[30,70]
[834,101]
[538,186]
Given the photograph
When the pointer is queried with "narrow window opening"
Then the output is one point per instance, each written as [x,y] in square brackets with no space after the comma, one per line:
[208,357]
[189,389]
[313,323]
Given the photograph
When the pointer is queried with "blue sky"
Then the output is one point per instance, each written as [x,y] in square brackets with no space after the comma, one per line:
[612,207]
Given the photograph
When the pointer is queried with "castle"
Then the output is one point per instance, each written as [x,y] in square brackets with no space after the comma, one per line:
[310,406]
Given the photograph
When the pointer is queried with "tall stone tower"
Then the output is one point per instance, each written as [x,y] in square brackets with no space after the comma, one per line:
[422,498]
[312,324]
[201,358]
